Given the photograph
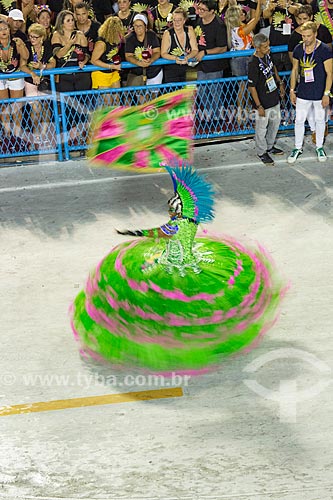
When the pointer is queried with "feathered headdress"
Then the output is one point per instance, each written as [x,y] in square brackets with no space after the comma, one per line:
[195,193]
[139,7]
[187,4]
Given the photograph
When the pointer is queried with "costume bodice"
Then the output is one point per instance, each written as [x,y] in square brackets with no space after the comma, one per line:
[179,246]
[181,252]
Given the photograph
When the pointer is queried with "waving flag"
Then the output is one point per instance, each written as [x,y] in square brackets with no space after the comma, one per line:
[142,137]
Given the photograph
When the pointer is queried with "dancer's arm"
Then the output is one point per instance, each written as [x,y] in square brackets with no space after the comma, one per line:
[165,231]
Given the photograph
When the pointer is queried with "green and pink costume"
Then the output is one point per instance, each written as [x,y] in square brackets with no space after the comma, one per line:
[178,303]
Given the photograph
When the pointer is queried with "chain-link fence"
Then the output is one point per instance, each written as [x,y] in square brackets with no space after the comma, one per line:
[58,123]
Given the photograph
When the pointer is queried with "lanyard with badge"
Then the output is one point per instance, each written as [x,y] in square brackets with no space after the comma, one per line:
[308,72]
[286,26]
[270,80]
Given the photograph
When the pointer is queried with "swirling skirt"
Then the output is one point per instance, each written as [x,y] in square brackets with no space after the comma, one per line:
[133,312]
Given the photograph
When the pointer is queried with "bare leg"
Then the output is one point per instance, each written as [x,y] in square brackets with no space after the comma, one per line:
[241,102]
[111,99]
[5,112]
[17,112]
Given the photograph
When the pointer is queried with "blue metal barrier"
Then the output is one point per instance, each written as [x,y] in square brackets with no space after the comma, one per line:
[58,123]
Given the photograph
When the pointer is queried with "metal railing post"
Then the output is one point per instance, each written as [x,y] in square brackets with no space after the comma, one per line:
[56,117]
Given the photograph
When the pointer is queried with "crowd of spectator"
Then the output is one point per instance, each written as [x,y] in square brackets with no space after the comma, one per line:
[66,33]
[180,30]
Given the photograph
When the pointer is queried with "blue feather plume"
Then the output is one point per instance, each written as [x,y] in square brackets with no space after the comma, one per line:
[196,193]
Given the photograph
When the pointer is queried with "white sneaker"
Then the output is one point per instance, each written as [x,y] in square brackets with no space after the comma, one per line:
[294,155]
[321,155]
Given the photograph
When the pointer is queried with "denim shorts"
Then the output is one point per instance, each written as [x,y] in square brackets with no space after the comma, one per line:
[12,84]
[239,65]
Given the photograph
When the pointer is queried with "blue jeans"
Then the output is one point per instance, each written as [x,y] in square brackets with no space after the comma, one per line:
[240,65]
[266,129]
[209,101]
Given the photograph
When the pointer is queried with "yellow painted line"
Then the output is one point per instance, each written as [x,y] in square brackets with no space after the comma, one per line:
[107,399]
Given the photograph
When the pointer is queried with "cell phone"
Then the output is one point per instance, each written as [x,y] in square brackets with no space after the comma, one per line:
[73,35]
[192,62]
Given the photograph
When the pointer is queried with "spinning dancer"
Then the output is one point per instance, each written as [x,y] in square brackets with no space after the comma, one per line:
[173,302]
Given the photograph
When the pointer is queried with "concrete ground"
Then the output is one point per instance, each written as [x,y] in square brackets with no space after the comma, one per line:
[258,429]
